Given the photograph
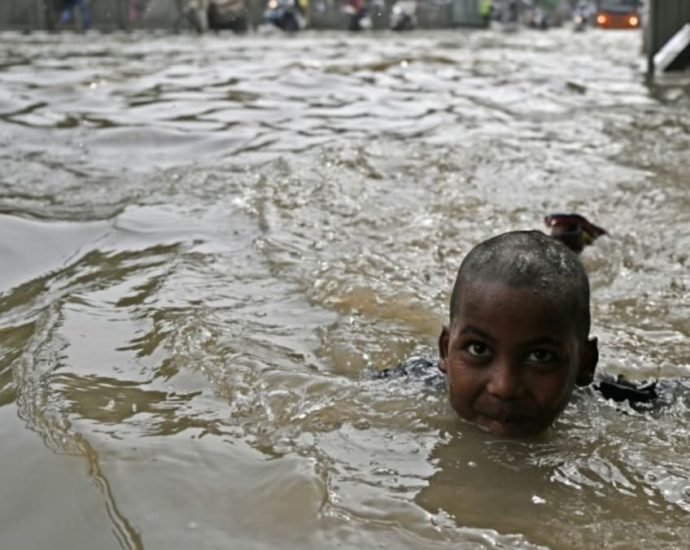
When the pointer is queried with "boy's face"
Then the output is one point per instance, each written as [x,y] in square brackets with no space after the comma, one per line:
[511,358]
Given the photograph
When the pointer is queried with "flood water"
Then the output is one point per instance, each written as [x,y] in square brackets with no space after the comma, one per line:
[209,243]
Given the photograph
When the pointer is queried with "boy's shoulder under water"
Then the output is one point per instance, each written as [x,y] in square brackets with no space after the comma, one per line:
[646,395]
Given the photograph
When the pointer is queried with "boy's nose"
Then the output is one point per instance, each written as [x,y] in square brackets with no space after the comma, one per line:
[505,382]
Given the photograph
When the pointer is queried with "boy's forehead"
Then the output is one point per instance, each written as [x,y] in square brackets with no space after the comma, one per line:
[531,303]
[485,289]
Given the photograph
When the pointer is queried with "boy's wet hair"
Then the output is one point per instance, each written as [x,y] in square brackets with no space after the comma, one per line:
[529,259]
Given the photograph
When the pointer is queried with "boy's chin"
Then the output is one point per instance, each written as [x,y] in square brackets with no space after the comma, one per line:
[508,427]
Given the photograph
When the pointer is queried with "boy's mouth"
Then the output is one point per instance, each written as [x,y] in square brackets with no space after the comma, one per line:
[503,424]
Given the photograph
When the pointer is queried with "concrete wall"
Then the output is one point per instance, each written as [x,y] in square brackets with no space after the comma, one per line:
[108,14]
[25,14]
[668,17]
[663,19]
[466,13]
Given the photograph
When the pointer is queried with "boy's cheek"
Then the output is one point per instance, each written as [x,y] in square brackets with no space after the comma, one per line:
[553,393]
[462,389]
[463,409]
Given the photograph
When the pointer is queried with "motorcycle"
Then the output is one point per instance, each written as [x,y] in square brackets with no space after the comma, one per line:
[537,18]
[285,15]
[357,15]
[579,22]
[404,15]
[583,16]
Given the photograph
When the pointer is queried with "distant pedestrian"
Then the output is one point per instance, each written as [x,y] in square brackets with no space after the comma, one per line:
[485,9]
[511,11]
[136,10]
[68,12]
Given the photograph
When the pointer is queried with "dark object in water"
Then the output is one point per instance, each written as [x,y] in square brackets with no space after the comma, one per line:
[621,389]
[416,367]
[644,396]
[573,230]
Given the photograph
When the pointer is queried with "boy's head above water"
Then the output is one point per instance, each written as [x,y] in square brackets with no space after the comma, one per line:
[518,339]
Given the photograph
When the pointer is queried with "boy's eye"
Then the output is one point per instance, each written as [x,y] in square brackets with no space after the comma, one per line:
[477,349]
[541,356]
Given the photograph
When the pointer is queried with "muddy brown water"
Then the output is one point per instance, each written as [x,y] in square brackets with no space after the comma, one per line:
[208,242]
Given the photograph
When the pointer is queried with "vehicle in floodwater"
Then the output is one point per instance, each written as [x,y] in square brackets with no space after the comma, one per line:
[403,15]
[537,18]
[583,15]
[285,15]
[579,22]
[357,15]
[618,14]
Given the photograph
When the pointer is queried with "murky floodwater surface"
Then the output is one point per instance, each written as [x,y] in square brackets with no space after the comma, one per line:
[208,242]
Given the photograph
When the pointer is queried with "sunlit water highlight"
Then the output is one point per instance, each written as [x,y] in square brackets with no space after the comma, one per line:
[207,244]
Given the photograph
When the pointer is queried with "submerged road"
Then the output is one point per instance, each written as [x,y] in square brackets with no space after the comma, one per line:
[207,242]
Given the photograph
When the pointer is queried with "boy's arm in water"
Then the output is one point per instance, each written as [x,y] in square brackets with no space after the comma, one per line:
[645,395]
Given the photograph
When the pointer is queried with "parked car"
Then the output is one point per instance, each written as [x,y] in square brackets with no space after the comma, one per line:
[618,14]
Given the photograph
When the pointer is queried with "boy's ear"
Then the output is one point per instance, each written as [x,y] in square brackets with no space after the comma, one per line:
[588,363]
[443,340]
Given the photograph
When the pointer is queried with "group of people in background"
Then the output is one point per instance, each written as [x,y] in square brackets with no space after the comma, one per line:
[505,11]
[68,8]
